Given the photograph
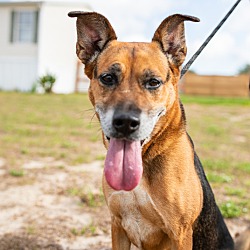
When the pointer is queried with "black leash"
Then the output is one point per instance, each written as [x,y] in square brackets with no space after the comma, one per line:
[189,63]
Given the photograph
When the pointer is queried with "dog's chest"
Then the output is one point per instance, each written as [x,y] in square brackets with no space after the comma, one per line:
[137,214]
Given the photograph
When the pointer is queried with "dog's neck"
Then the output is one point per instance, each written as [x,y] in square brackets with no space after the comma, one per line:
[170,127]
[174,137]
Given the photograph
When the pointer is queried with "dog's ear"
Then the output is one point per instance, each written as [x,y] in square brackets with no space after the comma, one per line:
[93,32]
[170,35]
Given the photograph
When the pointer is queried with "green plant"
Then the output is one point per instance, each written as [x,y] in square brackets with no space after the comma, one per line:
[88,230]
[47,82]
[16,172]
[74,191]
[245,69]
[93,199]
[230,210]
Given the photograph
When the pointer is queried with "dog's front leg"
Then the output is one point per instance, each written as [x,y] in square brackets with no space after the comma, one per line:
[120,239]
[184,241]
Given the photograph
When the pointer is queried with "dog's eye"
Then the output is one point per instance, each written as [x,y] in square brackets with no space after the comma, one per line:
[108,79]
[153,84]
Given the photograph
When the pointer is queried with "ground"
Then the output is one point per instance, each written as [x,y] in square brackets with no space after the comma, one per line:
[53,206]
[53,200]
[59,207]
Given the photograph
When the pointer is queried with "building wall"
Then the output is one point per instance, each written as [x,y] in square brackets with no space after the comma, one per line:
[57,38]
[18,62]
[22,64]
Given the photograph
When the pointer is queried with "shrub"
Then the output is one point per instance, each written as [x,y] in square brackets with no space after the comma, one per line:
[47,82]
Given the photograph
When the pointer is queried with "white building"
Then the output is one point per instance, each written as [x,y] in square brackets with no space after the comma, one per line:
[37,37]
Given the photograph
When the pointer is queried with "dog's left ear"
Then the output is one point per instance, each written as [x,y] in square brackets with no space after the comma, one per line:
[170,35]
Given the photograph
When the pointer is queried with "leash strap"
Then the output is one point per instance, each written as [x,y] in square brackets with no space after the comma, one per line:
[193,58]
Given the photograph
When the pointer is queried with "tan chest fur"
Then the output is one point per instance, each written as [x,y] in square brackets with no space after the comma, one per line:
[136,212]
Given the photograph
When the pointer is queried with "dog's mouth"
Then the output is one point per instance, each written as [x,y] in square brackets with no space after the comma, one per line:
[123,165]
[108,139]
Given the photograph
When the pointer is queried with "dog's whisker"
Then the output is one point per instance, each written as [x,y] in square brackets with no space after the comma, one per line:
[93,116]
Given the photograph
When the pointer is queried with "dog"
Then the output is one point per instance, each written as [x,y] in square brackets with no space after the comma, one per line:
[153,182]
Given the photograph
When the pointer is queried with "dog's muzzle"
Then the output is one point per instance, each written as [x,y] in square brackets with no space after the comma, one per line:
[128,122]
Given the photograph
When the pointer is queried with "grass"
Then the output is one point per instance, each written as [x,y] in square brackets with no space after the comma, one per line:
[93,200]
[59,126]
[225,101]
[218,177]
[238,192]
[16,172]
[88,230]
[62,126]
[230,210]
[87,197]
[220,129]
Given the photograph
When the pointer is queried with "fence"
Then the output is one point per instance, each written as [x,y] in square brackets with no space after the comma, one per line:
[234,86]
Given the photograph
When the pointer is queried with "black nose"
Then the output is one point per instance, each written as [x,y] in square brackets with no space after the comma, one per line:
[125,124]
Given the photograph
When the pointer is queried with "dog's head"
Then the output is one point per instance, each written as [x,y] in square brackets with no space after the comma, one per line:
[132,86]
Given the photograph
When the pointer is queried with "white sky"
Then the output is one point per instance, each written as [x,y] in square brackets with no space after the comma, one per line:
[229,50]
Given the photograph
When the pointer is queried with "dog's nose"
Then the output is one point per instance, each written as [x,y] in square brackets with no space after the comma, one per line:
[126,124]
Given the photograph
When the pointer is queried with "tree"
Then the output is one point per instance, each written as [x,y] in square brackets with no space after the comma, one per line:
[244,70]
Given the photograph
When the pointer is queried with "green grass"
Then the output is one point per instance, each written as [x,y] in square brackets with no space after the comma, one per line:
[93,200]
[230,209]
[16,172]
[215,130]
[87,198]
[220,129]
[37,126]
[88,230]
[218,177]
[62,126]
[238,192]
[208,100]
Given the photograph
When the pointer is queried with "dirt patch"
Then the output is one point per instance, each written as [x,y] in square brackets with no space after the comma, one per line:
[46,209]
[55,206]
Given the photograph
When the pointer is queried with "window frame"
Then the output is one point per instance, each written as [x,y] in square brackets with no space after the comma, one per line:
[18,26]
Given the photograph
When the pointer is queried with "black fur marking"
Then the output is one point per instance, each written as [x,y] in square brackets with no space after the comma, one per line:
[168,77]
[148,74]
[210,230]
[150,80]
[114,69]
[183,115]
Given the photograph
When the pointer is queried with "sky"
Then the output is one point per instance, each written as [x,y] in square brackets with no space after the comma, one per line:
[228,51]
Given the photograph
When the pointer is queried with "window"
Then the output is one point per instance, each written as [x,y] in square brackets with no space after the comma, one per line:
[24,26]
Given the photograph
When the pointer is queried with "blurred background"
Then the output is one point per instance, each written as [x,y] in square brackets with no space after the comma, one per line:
[37,37]
[51,152]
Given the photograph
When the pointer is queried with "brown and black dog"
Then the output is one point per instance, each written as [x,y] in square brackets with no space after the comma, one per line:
[154,183]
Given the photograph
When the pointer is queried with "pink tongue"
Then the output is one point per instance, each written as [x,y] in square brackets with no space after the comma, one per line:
[123,164]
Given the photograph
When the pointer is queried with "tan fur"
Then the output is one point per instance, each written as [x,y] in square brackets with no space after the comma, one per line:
[164,213]
[161,212]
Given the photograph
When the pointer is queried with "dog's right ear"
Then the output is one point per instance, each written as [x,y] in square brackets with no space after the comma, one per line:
[93,32]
